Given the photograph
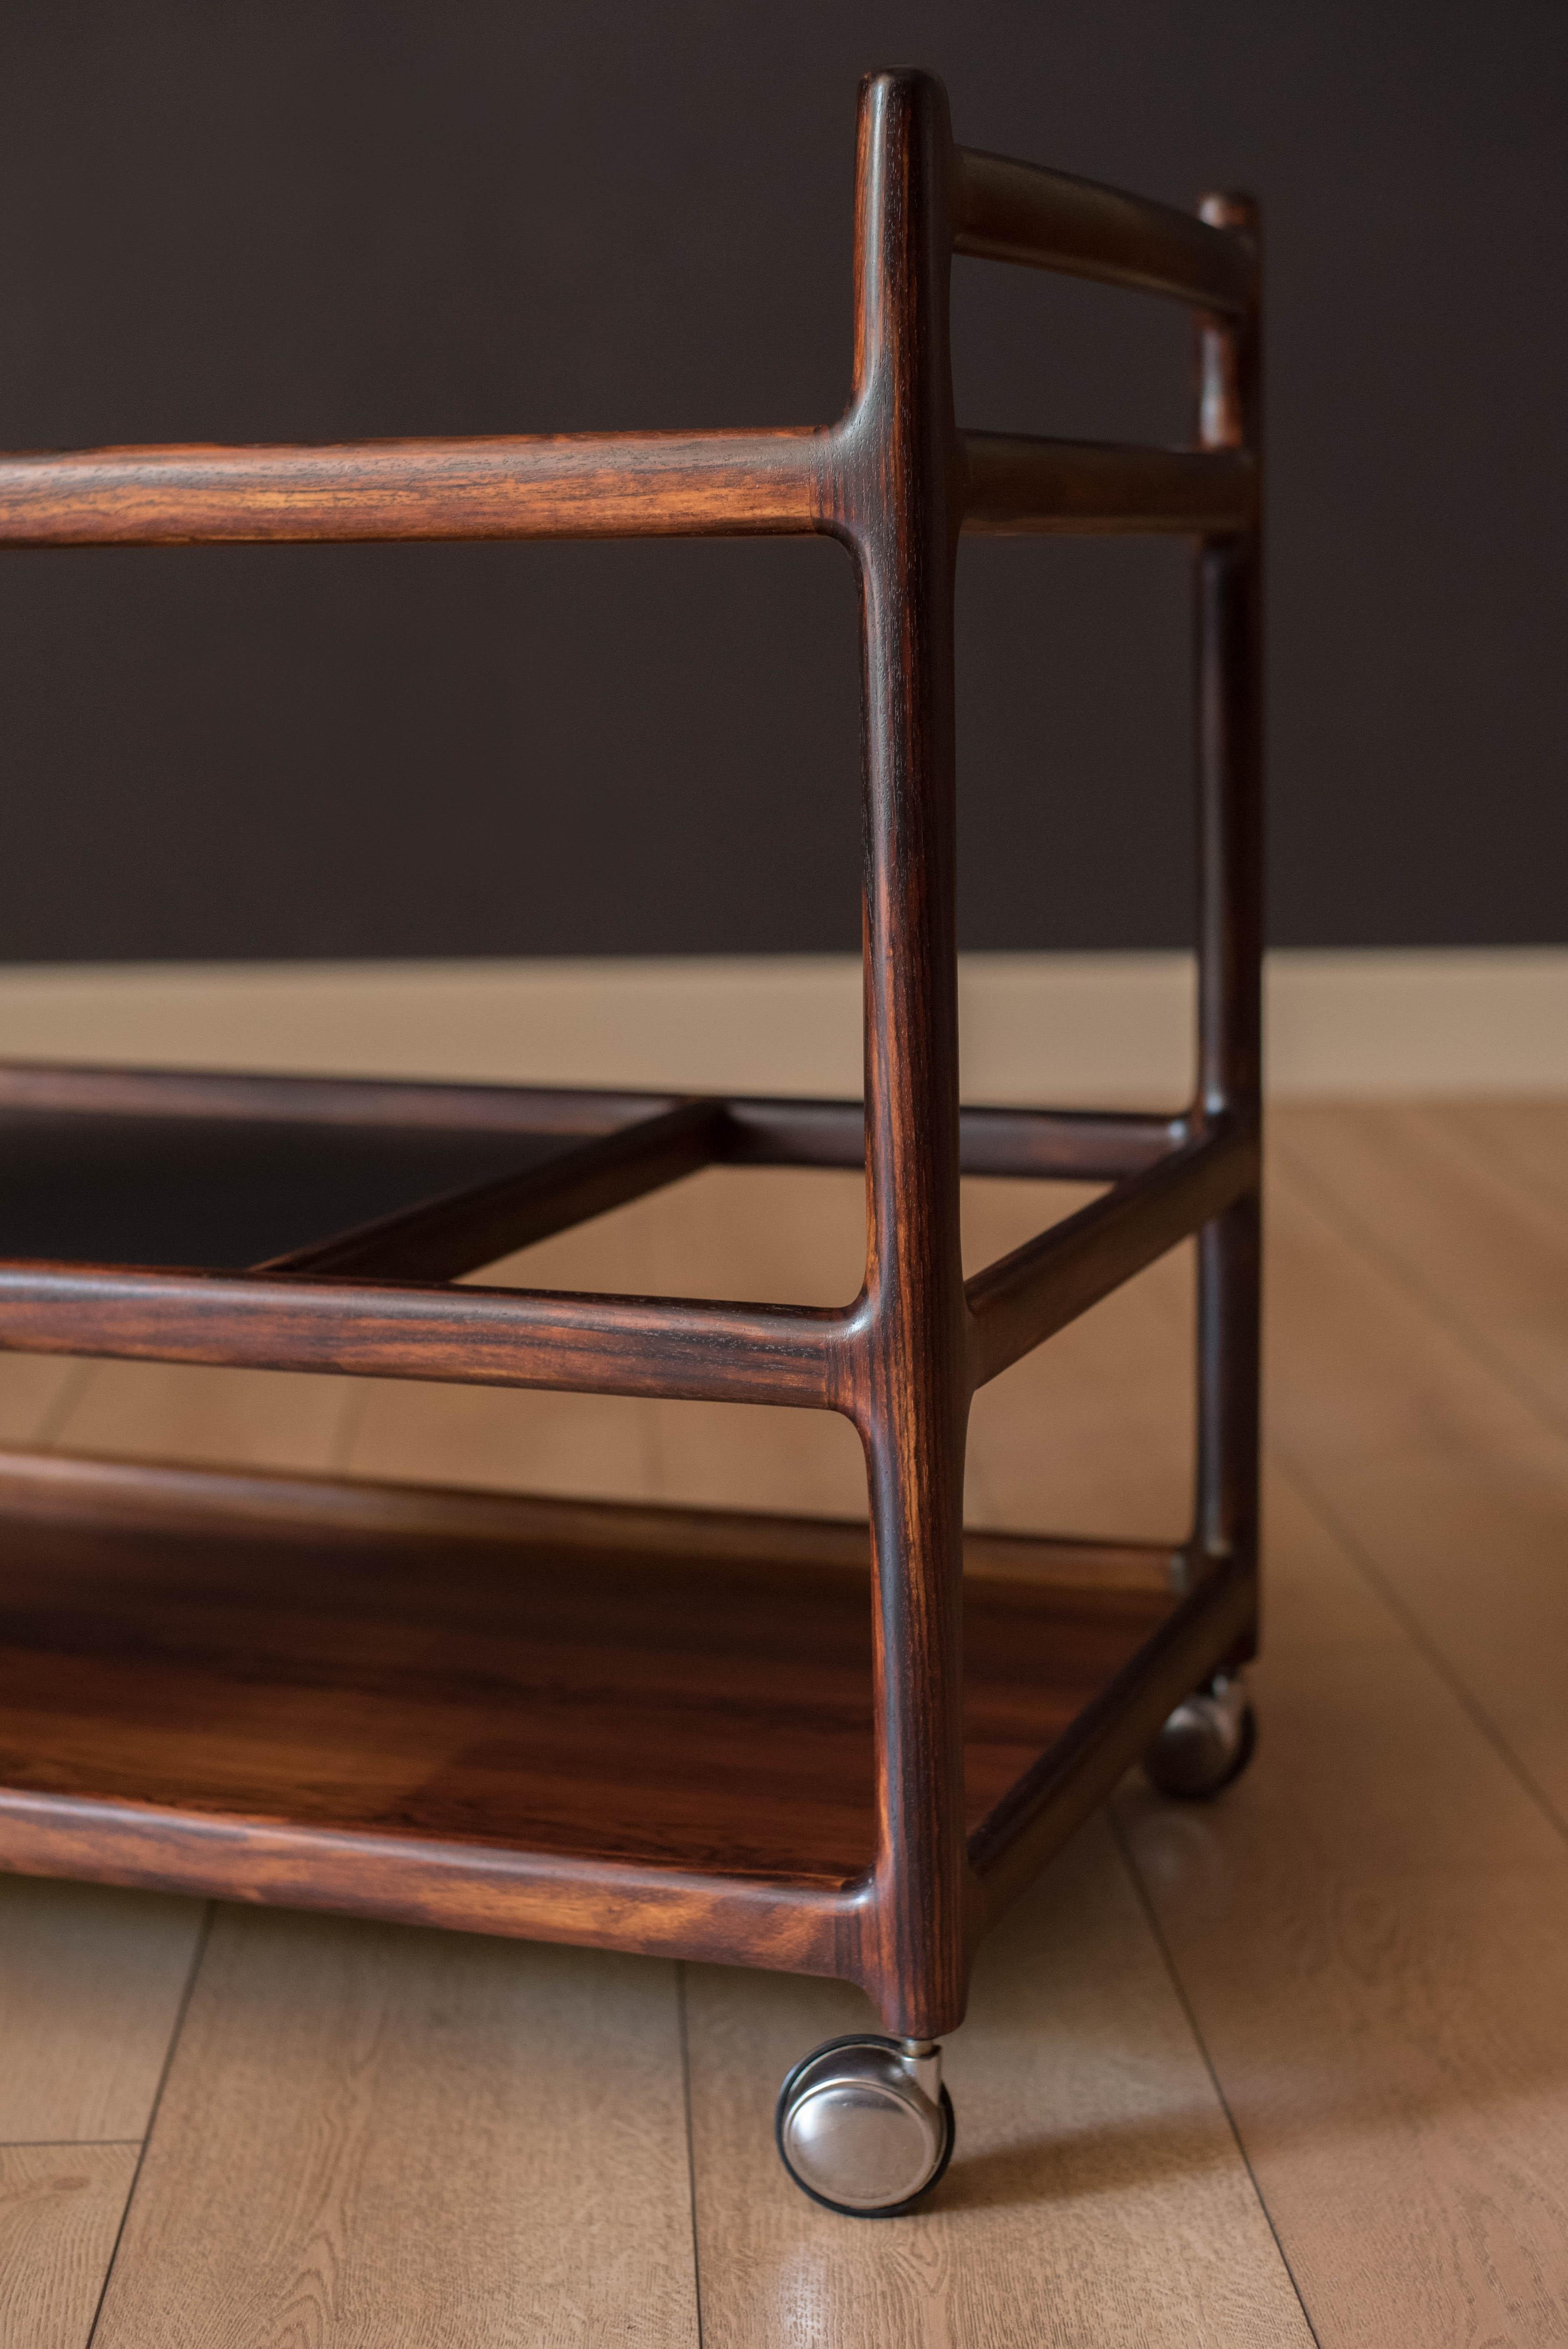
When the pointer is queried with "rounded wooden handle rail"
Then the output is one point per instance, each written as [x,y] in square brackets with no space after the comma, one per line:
[589,486]
[567,485]
[1004,210]
[687,484]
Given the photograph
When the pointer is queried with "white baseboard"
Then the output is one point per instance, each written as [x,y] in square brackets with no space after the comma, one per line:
[1093,1029]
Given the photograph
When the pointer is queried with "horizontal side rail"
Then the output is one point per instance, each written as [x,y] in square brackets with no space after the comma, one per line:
[112,1091]
[460,1230]
[1087,1146]
[416,1880]
[1090,1145]
[688,1349]
[1074,1777]
[1024,1298]
[1072,1144]
[1004,210]
[567,485]
[1016,485]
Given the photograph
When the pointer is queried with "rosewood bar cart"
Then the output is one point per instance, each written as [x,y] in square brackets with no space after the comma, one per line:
[751,1739]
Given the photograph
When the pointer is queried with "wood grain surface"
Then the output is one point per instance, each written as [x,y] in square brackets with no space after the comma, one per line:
[1043,1286]
[548,1694]
[786,1130]
[38,1393]
[1392,1874]
[1367,1931]
[1457,1216]
[567,485]
[1041,1451]
[1017,485]
[61,2208]
[229,1192]
[1096,2194]
[1409,2145]
[1443,1470]
[264,1419]
[90,1984]
[1522,1140]
[1008,210]
[370,1293]
[278,1321]
[1288,2066]
[372,2136]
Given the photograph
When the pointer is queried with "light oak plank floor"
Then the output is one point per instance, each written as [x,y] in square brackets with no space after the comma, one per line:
[61,2208]
[374,2137]
[1290,2067]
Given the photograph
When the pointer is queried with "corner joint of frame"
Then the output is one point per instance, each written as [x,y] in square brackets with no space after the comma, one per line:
[850,1337]
[849,502]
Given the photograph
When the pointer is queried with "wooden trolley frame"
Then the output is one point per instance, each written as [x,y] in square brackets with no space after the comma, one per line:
[676,1731]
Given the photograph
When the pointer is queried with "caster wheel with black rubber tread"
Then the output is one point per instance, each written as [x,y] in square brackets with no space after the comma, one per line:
[864,2125]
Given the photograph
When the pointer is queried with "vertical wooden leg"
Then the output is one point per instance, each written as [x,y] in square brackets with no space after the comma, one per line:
[913,1385]
[1229,829]
[1229,1298]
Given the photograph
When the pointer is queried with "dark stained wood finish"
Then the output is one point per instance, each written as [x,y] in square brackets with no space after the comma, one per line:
[687,1348]
[1036,1815]
[1016,486]
[109,1091]
[912,1391]
[583,488]
[227,1193]
[1230,762]
[616,1689]
[164,1173]
[1081,1146]
[755,1130]
[1005,211]
[444,1237]
[708,1738]
[692,1711]
[153,1495]
[571,485]
[304,1319]
[1026,1298]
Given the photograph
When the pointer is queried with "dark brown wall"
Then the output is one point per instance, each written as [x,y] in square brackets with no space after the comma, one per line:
[309,220]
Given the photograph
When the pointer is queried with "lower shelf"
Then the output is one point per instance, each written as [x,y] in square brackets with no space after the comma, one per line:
[683,1690]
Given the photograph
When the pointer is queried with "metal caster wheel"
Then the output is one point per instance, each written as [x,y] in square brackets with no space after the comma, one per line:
[865,2126]
[1206,1743]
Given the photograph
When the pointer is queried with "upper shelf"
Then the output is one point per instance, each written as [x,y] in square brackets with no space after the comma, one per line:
[224,1193]
[415,1180]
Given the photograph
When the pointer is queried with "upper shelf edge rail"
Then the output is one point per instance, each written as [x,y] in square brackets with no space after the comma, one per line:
[558,485]
[1004,210]
[699,1350]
